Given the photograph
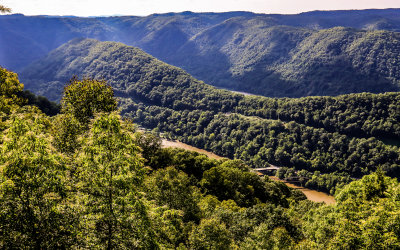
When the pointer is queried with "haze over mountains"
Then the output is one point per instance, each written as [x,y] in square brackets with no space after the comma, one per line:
[272,55]
[86,178]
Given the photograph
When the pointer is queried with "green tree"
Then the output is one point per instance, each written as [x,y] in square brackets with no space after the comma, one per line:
[366,216]
[233,180]
[170,231]
[210,234]
[173,188]
[265,238]
[110,174]
[34,207]
[10,88]
[83,99]
[66,130]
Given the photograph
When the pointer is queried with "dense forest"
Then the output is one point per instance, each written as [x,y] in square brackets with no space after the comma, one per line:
[315,53]
[328,141]
[87,178]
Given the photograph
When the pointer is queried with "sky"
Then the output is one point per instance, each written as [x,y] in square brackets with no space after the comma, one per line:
[146,7]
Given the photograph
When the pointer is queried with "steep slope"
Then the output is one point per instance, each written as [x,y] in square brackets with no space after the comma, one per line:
[259,130]
[41,34]
[223,53]
[258,57]
[370,19]
[135,74]
[271,55]
[25,39]
[129,70]
[339,61]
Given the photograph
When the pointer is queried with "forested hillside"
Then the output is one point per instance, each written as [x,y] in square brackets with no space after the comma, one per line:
[330,139]
[272,55]
[86,178]
[282,61]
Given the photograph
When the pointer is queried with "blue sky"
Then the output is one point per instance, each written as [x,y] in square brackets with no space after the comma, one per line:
[146,7]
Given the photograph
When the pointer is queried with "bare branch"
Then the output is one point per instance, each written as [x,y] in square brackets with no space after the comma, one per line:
[4,9]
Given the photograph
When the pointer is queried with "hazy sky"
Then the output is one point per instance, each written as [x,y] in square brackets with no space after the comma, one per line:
[146,7]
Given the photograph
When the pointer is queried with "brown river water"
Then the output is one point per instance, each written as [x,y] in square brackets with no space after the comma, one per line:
[312,195]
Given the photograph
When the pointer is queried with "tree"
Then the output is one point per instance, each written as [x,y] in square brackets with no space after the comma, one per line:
[83,99]
[110,172]
[10,88]
[65,131]
[173,188]
[366,216]
[34,208]
[265,238]
[210,234]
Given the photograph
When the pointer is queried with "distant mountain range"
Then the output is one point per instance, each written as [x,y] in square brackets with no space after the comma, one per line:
[271,55]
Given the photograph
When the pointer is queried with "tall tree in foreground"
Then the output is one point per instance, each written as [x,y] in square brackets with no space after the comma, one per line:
[110,172]
[109,169]
[34,211]
[81,101]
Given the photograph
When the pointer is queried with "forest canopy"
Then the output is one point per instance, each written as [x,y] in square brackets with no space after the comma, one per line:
[69,182]
[328,141]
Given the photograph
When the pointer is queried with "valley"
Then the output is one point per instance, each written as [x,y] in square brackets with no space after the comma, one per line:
[331,139]
[159,131]
[311,195]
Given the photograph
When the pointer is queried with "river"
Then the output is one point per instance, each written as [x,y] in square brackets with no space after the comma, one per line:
[312,195]
[177,144]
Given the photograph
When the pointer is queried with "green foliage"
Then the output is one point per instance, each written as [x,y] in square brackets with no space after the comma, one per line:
[264,238]
[173,188]
[366,216]
[13,96]
[109,173]
[230,181]
[46,106]
[150,145]
[69,184]
[210,234]
[34,191]
[66,129]
[84,98]
[328,160]
[64,184]
[142,78]
[10,87]
[170,231]
[331,138]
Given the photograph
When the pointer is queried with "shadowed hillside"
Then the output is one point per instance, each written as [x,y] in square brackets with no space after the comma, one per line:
[330,139]
[271,55]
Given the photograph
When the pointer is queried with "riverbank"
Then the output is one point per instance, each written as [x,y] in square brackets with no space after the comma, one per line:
[312,195]
[176,144]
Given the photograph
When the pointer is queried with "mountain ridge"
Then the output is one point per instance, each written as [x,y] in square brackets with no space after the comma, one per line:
[236,50]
